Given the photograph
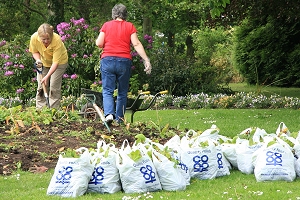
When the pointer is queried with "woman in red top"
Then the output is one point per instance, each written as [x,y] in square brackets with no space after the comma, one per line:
[115,38]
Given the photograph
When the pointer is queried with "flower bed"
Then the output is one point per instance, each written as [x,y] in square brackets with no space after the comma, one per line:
[239,100]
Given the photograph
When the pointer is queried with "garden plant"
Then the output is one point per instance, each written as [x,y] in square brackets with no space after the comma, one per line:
[204,53]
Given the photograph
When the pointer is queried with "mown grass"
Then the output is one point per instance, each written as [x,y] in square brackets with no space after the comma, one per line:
[230,121]
[25,185]
[234,186]
[265,90]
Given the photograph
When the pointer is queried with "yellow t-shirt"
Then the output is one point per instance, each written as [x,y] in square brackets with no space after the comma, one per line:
[56,52]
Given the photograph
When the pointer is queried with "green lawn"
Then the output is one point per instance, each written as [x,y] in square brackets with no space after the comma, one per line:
[24,185]
[266,90]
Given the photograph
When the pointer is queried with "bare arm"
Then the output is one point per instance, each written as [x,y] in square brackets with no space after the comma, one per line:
[138,46]
[50,72]
[100,40]
[37,57]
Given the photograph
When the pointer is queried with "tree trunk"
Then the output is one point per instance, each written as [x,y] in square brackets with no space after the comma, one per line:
[147,26]
[56,12]
[171,39]
[190,49]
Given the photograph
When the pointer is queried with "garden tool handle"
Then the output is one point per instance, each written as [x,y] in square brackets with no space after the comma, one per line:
[146,92]
[163,92]
[44,86]
[92,97]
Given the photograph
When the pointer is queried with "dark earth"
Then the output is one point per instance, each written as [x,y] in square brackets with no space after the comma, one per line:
[37,148]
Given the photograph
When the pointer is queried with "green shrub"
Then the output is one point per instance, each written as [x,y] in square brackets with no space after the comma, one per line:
[17,76]
[79,39]
[265,51]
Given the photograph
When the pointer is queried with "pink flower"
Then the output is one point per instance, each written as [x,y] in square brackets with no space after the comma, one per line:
[8,73]
[8,63]
[21,66]
[20,90]
[63,38]
[74,76]
[74,55]
[134,54]
[85,56]
[2,43]
[65,76]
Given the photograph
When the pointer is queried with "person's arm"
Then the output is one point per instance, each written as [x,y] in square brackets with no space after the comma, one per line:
[37,57]
[100,40]
[50,72]
[138,46]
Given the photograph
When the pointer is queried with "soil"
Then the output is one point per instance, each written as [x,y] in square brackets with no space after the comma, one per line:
[37,148]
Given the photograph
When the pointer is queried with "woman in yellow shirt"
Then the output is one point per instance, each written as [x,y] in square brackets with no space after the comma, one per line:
[47,48]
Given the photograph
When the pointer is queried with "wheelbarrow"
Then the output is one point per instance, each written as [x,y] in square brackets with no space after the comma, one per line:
[133,105]
[92,110]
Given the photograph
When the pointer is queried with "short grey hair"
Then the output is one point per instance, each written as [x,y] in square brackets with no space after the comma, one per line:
[120,11]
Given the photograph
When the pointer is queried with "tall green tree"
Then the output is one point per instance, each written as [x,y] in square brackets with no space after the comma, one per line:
[55,12]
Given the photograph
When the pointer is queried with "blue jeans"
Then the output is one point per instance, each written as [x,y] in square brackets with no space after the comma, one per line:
[115,73]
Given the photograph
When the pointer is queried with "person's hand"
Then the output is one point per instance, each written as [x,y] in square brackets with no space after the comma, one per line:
[148,67]
[44,80]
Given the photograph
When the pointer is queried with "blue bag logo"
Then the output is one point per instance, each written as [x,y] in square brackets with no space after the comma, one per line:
[64,175]
[201,163]
[220,162]
[148,174]
[97,176]
[184,167]
[273,158]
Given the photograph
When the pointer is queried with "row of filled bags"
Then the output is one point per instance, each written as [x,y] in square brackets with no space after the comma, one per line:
[270,157]
[147,166]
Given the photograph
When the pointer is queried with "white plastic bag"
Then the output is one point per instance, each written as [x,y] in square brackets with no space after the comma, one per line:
[174,144]
[222,163]
[282,129]
[245,153]
[201,160]
[71,175]
[274,163]
[170,175]
[296,151]
[137,176]
[105,178]
[229,152]
[211,133]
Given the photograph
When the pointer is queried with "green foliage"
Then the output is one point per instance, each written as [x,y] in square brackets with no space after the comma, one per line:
[140,138]
[31,115]
[135,155]
[79,39]
[172,72]
[213,53]
[17,77]
[264,51]
[217,7]
[70,153]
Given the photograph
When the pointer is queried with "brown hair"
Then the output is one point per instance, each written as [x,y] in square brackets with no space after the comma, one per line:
[45,29]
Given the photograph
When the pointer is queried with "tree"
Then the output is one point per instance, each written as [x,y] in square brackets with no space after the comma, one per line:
[55,12]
